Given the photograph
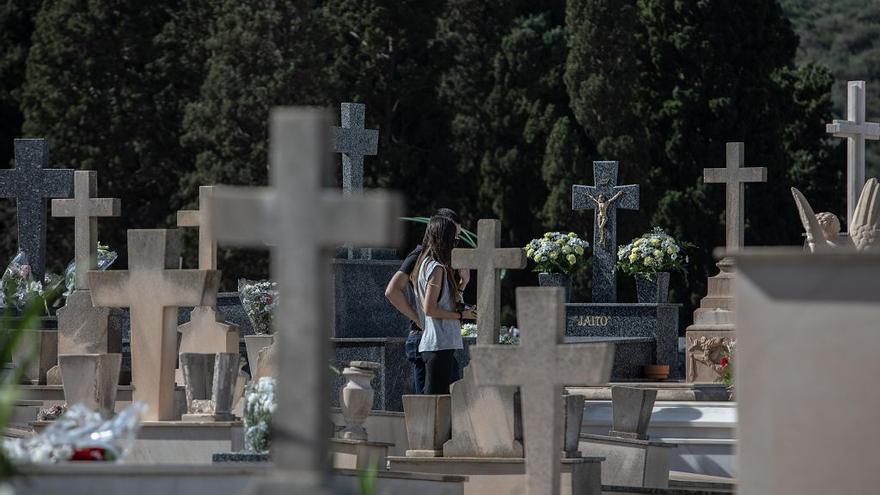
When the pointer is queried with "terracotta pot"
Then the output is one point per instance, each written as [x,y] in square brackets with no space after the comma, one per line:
[656,371]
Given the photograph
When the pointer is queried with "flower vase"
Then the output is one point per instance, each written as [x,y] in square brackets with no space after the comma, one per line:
[556,280]
[254,344]
[357,398]
[652,288]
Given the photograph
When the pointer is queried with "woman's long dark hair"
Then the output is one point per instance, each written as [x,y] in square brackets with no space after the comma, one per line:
[438,243]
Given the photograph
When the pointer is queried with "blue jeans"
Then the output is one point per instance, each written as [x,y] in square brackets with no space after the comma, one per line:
[411,347]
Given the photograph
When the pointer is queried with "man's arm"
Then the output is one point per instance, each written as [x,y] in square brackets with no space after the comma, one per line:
[395,292]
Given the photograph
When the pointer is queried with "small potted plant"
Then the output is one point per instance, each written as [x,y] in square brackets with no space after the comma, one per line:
[649,259]
[556,255]
[259,300]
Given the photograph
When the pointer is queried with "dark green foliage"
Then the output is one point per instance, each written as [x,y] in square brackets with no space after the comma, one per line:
[494,108]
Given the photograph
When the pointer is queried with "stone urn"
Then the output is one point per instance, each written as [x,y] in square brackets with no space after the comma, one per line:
[91,380]
[254,344]
[357,398]
[652,288]
[556,280]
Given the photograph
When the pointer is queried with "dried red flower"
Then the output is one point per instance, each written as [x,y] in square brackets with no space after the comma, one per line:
[724,361]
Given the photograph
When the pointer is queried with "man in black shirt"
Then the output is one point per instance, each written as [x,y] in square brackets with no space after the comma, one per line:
[396,293]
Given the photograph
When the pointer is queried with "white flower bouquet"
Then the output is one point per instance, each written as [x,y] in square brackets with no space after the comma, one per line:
[557,252]
[259,406]
[259,299]
[653,252]
[508,335]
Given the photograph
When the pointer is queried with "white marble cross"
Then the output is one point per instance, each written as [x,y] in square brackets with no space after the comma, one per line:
[198,219]
[856,131]
[153,289]
[302,222]
[541,365]
[354,142]
[735,175]
[85,210]
[487,259]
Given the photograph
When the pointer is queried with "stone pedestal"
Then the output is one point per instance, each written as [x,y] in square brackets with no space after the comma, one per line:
[428,424]
[807,323]
[574,417]
[209,381]
[37,352]
[207,331]
[91,380]
[486,420]
[713,328]
[630,462]
[85,329]
[631,411]
[358,454]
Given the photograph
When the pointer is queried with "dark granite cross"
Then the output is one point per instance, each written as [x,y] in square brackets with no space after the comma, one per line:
[85,209]
[354,142]
[31,183]
[540,366]
[605,197]
[735,175]
[487,259]
[300,221]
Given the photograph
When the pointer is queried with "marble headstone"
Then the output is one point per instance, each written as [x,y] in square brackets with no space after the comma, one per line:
[541,365]
[153,289]
[605,197]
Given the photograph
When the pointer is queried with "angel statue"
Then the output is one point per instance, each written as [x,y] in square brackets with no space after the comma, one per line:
[823,229]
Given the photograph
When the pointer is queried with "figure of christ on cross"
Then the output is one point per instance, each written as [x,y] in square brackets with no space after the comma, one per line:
[602,213]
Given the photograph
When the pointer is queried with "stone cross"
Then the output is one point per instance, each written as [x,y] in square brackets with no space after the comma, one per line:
[735,175]
[30,183]
[153,289]
[85,209]
[605,197]
[302,222]
[487,259]
[541,365]
[354,142]
[856,131]
[198,218]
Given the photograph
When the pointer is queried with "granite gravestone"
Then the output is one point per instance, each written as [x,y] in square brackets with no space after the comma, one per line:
[485,422]
[300,221]
[713,327]
[643,334]
[153,289]
[354,142]
[83,328]
[206,331]
[30,183]
[541,365]
[605,197]
[855,130]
